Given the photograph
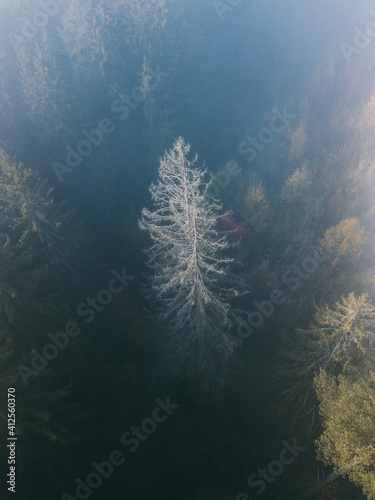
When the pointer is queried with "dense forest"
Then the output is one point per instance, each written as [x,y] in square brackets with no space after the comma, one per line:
[187,292]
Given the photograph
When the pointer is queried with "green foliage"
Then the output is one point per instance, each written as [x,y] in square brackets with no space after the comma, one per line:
[344,336]
[86,35]
[44,86]
[43,236]
[39,257]
[262,277]
[340,339]
[252,203]
[347,411]
[258,212]
[40,409]
[297,186]
[315,180]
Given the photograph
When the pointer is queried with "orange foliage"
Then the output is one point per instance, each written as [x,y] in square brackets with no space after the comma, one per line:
[345,240]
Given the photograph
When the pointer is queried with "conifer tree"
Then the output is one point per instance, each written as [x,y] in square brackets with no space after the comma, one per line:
[38,233]
[40,247]
[191,283]
[340,339]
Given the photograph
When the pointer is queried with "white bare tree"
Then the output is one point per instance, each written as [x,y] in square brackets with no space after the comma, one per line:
[190,283]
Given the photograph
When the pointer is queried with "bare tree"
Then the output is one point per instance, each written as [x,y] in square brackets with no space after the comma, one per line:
[190,283]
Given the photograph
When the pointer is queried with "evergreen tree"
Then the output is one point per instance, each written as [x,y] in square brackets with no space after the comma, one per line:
[191,282]
[340,339]
[41,237]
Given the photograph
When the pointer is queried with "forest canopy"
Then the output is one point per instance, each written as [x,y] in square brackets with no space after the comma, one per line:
[187,246]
